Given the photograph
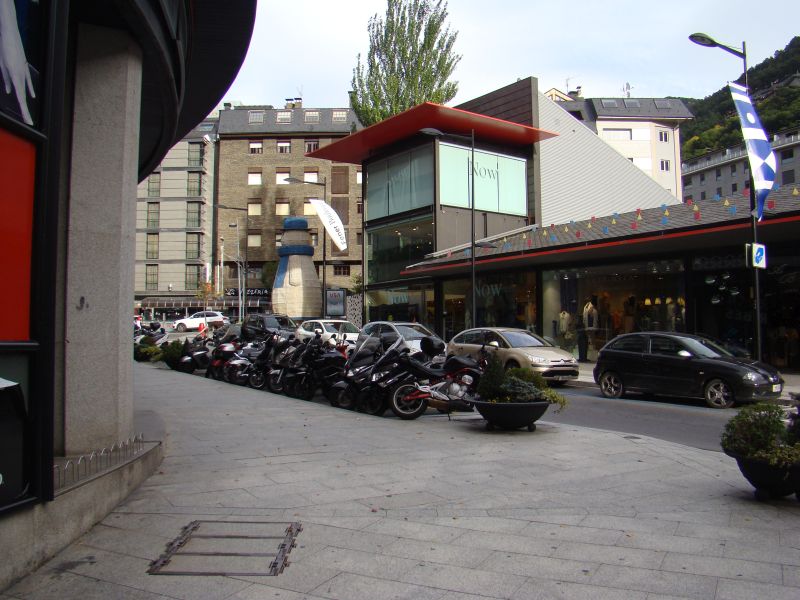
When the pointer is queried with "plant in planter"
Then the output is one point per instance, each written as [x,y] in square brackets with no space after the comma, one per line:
[766,449]
[515,398]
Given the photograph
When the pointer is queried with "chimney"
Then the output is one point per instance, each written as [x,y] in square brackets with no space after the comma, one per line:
[226,105]
[289,103]
[298,103]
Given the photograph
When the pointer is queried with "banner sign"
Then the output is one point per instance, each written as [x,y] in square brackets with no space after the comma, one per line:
[759,153]
[331,222]
[335,301]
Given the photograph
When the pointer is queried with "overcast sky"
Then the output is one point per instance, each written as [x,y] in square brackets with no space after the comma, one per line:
[308,48]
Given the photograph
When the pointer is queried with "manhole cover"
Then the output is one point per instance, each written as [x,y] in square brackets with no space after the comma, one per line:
[228,548]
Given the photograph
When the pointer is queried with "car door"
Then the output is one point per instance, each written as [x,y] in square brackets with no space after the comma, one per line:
[625,356]
[666,371]
[467,343]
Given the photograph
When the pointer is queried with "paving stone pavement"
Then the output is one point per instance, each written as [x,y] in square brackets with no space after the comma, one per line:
[428,509]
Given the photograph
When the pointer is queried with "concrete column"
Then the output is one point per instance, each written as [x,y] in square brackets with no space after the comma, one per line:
[98,403]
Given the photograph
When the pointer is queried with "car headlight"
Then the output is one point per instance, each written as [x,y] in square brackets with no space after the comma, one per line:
[753,377]
[536,359]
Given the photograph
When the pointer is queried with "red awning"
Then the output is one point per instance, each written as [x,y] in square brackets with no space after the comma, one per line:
[355,148]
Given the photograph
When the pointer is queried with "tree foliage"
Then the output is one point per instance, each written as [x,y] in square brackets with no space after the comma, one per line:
[716,126]
[410,61]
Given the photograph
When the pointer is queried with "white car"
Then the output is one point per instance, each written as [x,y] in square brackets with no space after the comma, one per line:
[344,330]
[209,318]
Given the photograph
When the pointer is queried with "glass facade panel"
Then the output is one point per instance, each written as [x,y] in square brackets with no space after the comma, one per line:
[377,192]
[401,183]
[583,308]
[413,303]
[391,248]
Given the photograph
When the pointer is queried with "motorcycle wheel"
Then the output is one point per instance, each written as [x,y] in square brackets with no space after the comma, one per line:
[373,404]
[407,409]
[257,380]
[275,386]
[305,389]
[346,399]
[239,376]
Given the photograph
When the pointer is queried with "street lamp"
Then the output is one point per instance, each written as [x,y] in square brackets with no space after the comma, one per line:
[705,40]
[324,186]
[471,137]
[241,282]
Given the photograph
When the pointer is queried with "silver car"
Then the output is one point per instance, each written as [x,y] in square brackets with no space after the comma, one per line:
[412,332]
[518,348]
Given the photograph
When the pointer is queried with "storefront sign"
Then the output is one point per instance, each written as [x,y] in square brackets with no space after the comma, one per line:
[334,299]
[250,291]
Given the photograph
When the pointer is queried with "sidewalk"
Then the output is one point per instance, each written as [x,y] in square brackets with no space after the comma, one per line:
[427,509]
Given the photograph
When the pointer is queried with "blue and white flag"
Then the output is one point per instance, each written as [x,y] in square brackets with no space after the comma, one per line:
[759,153]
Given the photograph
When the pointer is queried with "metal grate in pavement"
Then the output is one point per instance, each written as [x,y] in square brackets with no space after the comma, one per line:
[228,548]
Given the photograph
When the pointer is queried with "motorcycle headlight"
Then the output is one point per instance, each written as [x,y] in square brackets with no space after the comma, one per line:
[537,359]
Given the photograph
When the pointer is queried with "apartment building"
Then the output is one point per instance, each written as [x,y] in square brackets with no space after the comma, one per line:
[264,176]
[646,131]
[727,173]
[174,225]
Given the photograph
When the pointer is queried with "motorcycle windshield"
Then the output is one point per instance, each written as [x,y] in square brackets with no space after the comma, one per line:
[364,352]
[392,351]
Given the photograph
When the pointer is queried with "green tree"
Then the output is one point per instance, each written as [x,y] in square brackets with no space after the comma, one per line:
[268,273]
[410,61]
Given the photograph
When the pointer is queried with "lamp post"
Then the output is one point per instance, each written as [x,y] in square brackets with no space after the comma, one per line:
[220,286]
[705,40]
[324,186]
[471,137]
[239,275]
[242,264]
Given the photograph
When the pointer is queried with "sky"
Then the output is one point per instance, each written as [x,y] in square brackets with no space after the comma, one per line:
[308,48]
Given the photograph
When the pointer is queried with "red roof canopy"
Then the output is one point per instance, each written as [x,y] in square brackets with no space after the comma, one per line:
[358,146]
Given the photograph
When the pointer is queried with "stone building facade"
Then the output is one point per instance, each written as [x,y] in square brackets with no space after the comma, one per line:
[263,176]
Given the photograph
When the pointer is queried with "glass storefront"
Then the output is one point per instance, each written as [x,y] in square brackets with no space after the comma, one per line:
[583,308]
[401,183]
[391,248]
[504,300]
[414,303]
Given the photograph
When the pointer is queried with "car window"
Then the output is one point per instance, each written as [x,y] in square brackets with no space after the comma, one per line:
[196,316]
[706,348]
[459,339]
[370,329]
[348,327]
[493,336]
[413,332]
[633,343]
[665,346]
[524,339]
[330,327]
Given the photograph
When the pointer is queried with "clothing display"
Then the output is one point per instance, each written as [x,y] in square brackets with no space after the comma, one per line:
[564,320]
[589,316]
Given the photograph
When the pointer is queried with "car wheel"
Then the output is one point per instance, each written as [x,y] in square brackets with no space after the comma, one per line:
[512,364]
[718,394]
[611,385]
[181,327]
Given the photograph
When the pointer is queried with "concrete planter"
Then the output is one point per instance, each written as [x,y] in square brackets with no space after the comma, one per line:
[511,415]
[770,482]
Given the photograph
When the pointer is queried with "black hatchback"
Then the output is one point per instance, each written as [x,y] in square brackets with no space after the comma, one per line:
[683,365]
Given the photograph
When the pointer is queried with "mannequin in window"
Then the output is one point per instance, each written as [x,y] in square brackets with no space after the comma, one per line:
[629,314]
[590,314]
[564,320]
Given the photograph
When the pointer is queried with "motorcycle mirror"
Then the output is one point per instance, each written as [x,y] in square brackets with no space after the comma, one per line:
[318,331]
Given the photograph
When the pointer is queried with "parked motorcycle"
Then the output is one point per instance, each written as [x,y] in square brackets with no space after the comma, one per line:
[222,352]
[450,387]
[282,360]
[320,366]
[196,354]
[237,368]
[262,365]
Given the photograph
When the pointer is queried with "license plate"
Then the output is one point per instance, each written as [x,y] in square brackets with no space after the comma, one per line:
[776,387]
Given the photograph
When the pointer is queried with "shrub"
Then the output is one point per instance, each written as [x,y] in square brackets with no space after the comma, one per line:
[516,385]
[528,375]
[171,353]
[146,352]
[758,431]
[492,379]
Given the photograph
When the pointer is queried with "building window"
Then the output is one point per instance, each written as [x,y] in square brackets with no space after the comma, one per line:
[152,246]
[733,169]
[314,238]
[702,195]
[360,207]
[192,245]
[632,103]
[342,208]
[340,180]
[719,192]
[788,176]
[254,240]
[359,238]
[662,103]
[359,177]
[192,277]
[787,154]
[255,272]
[153,215]
[195,155]
[342,269]
[151,277]
[664,165]
[607,103]
[663,136]
[282,207]
[311,116]
[194,184]
[154,185]
[254,178]
[284,146]
[281,175]
[312,146]
[254,209]
[617,134]
[308,208]
[687,181]
[311,176]
[283,116]
[255,116]
[256,148]
[718,173]
[339,116]
[278,238]
[702,177]
[193,214]
[734,188]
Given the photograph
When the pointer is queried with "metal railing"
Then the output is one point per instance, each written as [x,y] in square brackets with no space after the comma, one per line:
[76,469]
